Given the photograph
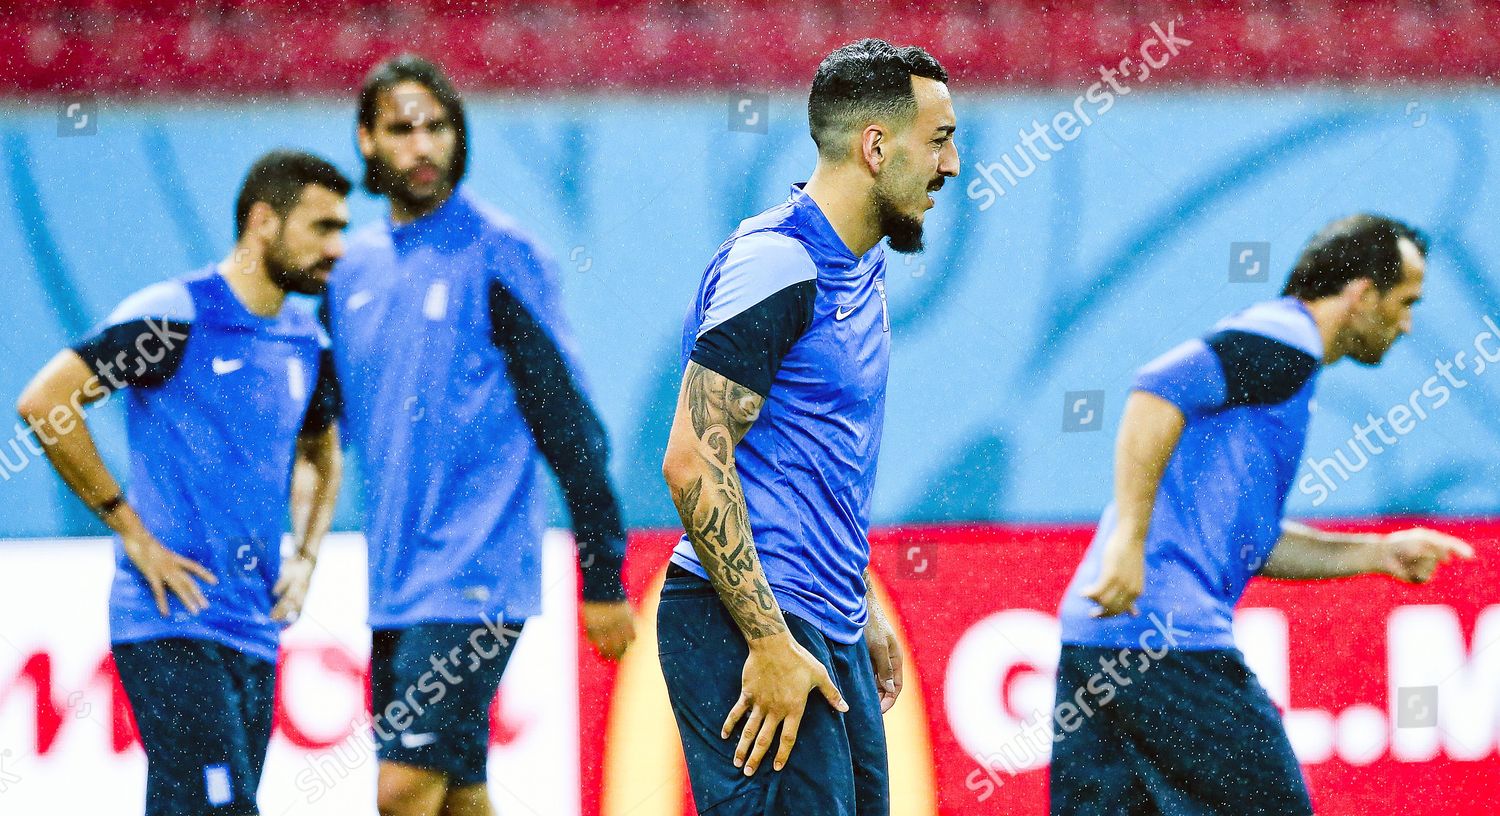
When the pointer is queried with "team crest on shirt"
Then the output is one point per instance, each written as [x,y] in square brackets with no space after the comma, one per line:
[435,306]
[296,379]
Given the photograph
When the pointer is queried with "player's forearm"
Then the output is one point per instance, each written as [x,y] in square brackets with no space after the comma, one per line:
[583,474]
[1303,553]
[1149,433]
[713,414]
[51,404]
[871,601]
[316,477]
[712,508]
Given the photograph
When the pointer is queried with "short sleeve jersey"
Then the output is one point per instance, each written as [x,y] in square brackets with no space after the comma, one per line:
[1245,391]
[786,310]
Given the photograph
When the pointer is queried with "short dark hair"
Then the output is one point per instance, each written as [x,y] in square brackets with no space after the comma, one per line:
[864,80]
[1359,246]
[424,72]
[278,179]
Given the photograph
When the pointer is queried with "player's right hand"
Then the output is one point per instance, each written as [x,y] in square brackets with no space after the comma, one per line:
[166,570]
[1122,577]
[778,676]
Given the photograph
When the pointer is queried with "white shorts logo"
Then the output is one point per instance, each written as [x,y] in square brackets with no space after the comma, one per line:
[413,741]
[216,784]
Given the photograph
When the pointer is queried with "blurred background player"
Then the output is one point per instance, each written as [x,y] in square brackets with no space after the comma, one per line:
[460,382]
[1206,454]
[226,388]
[777,430]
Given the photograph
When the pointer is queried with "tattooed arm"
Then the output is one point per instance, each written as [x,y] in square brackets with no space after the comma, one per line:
[713,415]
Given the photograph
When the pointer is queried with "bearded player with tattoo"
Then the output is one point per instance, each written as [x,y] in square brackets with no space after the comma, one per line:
[771,458]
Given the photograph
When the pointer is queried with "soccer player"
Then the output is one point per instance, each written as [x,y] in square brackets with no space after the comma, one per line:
[459,380]
[771,458]
[226,389]
[1171,719]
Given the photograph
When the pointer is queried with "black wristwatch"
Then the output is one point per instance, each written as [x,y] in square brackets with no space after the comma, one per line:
[104,508]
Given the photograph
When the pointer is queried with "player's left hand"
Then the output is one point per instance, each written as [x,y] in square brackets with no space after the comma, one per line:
[1414,555]
[291,588]
[885,656]
[610,626]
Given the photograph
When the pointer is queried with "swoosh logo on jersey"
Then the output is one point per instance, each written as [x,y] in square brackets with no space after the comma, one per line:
[840,313]
[359,299]
[223,366]
[417,740]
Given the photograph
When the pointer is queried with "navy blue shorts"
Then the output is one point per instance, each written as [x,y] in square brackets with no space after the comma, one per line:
[203,712]
[430,689]
[837,767]
[1192,734]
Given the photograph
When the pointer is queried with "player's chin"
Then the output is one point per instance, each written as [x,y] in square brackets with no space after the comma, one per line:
[429,191]
[314,283]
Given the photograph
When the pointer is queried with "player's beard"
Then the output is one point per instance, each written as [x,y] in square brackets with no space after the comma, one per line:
[1370,353]
[902,229]
[393,183]
[1370,341]
[292,278]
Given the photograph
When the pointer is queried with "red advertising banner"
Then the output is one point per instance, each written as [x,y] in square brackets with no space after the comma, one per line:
[1391,692]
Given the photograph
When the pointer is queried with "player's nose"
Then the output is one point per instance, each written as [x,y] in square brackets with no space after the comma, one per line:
[421,142]
[948,161]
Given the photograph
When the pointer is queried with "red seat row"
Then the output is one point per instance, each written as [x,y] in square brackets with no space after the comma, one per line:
[126,47]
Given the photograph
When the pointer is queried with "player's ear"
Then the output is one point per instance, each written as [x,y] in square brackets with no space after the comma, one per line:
[872,147]
[366,141]
[1360,295]
[263,221]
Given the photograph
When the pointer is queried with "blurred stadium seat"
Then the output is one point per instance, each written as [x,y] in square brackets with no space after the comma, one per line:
[320,46]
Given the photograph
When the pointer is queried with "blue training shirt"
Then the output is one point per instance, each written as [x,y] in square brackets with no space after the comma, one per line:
[459,382]
[786,310]
[1246,392]
[215,397]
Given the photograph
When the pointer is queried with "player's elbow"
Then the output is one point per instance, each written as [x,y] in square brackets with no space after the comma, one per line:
[33,405]
[678,466]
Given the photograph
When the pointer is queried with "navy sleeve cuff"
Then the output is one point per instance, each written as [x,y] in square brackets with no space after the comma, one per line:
[748,348]
[602,564]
